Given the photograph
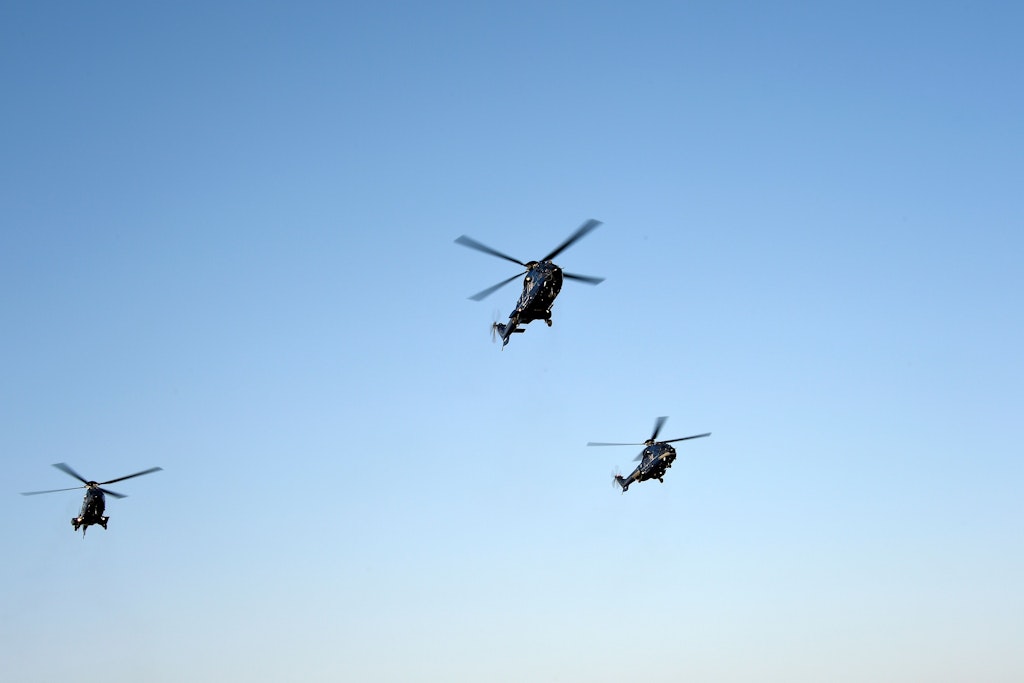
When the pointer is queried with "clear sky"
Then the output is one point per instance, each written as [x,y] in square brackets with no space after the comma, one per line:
[227,250]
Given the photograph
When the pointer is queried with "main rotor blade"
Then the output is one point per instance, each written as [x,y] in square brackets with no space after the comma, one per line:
[113,494]
[604,443]
[658,424]
[687,438]
[480,296]
[583,230]
[66,469]
[36,493]
[129,476]
[583,278]
[473,244]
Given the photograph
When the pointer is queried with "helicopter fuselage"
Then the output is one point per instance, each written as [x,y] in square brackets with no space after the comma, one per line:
[655,460]
[541,285]
[93,506]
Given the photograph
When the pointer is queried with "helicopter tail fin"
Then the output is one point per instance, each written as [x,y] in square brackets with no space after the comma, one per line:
[618,479]
[502,330]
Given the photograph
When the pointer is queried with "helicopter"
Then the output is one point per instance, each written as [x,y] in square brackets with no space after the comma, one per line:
[94,502]
[541,285]
[656,457]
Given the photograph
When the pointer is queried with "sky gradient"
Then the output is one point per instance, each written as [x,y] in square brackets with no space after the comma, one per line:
[227,250]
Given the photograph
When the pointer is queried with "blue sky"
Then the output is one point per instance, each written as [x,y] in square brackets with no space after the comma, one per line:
[228,251]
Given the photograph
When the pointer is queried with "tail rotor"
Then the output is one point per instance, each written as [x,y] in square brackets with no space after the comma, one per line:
[495,321]
[618,482]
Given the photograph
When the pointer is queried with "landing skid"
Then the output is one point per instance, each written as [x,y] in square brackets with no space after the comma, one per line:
[79,523]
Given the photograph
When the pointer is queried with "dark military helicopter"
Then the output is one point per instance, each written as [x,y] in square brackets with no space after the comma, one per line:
[656,457]
[540,287]
[94,502]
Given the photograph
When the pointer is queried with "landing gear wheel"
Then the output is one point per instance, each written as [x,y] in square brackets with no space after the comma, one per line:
[548,321]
